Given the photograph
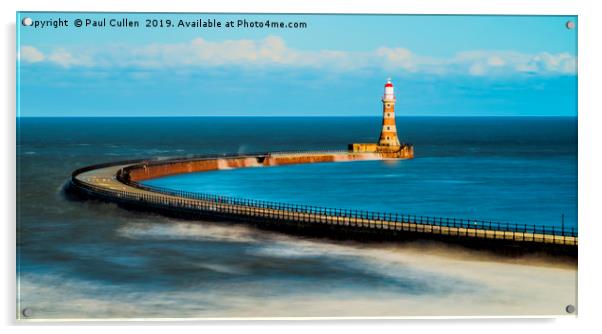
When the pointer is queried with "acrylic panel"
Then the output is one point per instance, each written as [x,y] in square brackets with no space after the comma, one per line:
[193,166]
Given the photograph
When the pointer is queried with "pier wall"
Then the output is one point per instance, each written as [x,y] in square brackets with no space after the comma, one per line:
[158,169]
[146,171]
[291,159]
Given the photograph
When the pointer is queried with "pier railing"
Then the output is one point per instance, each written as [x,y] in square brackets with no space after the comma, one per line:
[222,206]
[226,206]
[359,214]
[370,215]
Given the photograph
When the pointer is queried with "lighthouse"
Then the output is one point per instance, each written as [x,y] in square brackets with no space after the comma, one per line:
[388,134]
[388,145]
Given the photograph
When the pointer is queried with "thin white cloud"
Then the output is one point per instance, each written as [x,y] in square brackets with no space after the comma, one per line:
[30,54]
[496,62]
[200,52]
[64,58]
[273,51]
[477,69]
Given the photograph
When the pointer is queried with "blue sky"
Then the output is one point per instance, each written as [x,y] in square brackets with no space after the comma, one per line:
[440,65]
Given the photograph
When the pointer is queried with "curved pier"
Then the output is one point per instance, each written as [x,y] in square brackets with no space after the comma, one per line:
[119,182]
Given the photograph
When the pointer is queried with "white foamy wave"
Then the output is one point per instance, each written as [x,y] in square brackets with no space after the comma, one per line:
[508,289]
[174,230]
[221,268]
[500,285]
[285,250]
[361,258]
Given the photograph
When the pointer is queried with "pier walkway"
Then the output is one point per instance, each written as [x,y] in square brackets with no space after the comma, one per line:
[113,183]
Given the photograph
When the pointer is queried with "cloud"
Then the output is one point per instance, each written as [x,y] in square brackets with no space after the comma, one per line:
[30,54]
[398,57]
[273,51]
[200,52]
[477,69]
[499,62]
[64,58]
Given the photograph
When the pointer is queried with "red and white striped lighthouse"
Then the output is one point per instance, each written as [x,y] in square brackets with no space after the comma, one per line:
[388,134]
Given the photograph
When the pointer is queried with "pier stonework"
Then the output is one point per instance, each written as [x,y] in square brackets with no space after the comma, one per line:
[388,145]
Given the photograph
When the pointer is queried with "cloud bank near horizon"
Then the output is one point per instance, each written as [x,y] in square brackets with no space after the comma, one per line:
[272,51]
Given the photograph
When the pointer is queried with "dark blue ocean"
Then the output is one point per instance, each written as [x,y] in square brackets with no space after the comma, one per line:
[91,259]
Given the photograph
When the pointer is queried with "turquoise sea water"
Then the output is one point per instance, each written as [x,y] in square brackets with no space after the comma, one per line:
[92,259]
[513,170]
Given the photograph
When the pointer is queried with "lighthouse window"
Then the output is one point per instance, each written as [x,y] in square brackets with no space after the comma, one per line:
[388,128]
[388,115]
[387,138]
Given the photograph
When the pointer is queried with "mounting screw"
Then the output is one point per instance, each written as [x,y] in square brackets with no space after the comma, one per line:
[570,308]
[27,312]
[570,25]
[26,21]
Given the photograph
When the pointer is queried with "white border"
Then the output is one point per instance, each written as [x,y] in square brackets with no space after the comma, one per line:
[589,152]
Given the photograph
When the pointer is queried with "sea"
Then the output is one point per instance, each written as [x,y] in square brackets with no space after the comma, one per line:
[93,260]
